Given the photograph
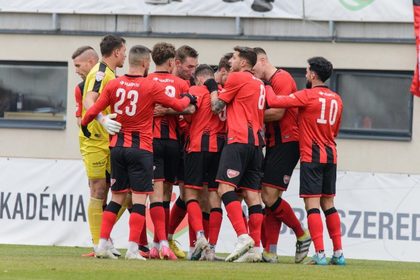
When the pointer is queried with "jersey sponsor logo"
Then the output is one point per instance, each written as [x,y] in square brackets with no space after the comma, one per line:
[286,179]
[99,76]
[232,173]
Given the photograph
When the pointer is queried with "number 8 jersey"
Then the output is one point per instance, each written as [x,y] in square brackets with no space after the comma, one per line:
[319,120]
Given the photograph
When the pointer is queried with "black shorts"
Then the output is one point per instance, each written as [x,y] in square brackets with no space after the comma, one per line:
[165,159]
[317,179]
[201,168]
[131,169]
[241,166]
[279,163]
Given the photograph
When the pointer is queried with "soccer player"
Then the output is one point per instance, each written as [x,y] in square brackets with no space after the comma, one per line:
[241,159]
[186,60]
[95,151]
[319,119]
[132,98]
[84,58]
[205,142]
[165,144]
[282,155]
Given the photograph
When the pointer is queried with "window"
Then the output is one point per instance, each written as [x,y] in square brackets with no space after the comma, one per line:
[377,104]
[33,94]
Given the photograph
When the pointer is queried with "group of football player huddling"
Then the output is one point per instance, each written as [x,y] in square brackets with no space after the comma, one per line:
[205,129]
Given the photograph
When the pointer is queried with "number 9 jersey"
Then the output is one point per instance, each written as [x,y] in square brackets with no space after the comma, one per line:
[319,120]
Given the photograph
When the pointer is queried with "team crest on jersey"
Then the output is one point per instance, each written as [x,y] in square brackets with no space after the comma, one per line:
[232,173]
[113,181]
[286,179]
[99,76]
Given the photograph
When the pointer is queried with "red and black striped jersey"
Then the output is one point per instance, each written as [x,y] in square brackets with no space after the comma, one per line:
[165,127]
[286,129]
[319,119]
[244,96]
[78,96]
[207,130]
[133,98]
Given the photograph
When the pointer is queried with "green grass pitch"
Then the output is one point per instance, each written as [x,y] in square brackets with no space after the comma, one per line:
[61,263]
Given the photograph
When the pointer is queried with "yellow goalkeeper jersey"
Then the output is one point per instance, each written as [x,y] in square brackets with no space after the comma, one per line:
[96,80]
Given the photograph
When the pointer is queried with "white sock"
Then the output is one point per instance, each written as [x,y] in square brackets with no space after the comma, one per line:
[156,245]
[132,246]
[102,245]
[338,253]
[164,243]
[200,233]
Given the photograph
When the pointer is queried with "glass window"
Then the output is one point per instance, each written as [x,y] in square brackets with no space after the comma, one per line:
[377,104]
[33,94]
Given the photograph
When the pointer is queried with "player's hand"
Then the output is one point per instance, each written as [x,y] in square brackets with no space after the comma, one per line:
[211,85]
[111,126]
[159,111]
[192,98]
[85,131]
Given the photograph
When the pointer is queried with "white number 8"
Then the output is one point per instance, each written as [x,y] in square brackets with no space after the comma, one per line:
[261,99]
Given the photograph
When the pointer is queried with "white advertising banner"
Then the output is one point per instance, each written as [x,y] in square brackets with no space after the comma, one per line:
[44,202]
[339,10]
[360,10]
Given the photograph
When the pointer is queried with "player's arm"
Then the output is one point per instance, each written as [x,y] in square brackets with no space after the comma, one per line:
[78,98]
[217,104]
[90,99]
[161,111]
[297,99]
[273,114]
[338,123]
[178,105]
[96,108]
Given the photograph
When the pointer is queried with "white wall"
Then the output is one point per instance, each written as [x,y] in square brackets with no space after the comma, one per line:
[355,155]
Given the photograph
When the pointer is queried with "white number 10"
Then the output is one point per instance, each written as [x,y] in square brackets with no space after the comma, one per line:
[333,111]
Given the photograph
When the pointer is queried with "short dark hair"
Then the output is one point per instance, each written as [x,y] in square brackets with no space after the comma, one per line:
[162,52]
[204,70]
[321,66]
[185,51]
[224,61]
[259,50]
[248,54]
[136,53]
[80,50]
[110,43]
